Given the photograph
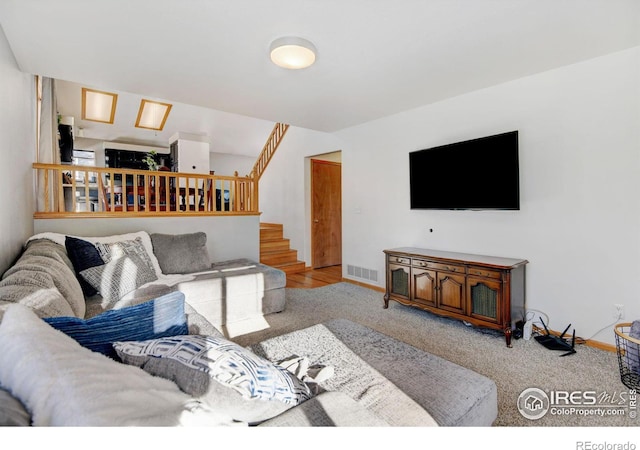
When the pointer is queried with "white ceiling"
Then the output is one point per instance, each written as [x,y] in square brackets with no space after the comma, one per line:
[375,57]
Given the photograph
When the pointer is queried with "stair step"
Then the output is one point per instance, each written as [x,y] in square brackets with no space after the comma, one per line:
[270,234]
[275,250]
[273,245]
[293,267]
[280,257]
[265,225]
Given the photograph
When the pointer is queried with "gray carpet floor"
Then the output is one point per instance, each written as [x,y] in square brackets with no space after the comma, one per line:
[527,365]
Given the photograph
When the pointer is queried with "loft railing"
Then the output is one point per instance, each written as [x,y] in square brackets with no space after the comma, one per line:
[269,149]
[81,191]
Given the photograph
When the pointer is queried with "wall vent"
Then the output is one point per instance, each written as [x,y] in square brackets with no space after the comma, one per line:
[361,272]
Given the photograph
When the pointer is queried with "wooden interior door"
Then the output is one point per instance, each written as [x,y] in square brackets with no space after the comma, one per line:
[326,213]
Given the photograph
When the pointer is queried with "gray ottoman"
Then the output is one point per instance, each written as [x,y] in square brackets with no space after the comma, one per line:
[390,378]
[453,395]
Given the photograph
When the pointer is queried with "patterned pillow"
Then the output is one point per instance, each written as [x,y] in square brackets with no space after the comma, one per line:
[118,277]
[163,316]
[228,364]
[115,250]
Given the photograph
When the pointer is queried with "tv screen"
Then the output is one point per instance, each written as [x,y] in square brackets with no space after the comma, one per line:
[476,174]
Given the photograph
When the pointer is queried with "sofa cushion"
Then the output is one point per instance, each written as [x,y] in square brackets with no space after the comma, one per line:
[62,383]
[223,362]
[43,278]
[12,411]
[164,316]
[36,290]
[83,255]
[181,253]
[118,277]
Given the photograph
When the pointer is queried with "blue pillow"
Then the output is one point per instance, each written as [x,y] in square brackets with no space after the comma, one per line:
[161,317]
[83,255]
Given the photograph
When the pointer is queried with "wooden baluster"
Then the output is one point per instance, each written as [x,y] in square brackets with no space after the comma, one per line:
[112,185]
[165,192]
[87,203]
[136,193]
[47,203]
[156,180]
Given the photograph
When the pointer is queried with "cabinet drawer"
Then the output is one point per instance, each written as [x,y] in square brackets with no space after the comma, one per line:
[495,274]
[399,259]
[422,263]
[448,267]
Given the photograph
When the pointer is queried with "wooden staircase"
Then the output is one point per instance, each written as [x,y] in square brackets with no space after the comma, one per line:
[275,251]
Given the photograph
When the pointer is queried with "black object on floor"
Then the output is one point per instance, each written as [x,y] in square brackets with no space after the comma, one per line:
[557,342]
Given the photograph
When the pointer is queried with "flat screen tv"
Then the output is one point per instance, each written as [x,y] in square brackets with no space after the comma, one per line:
[477,174]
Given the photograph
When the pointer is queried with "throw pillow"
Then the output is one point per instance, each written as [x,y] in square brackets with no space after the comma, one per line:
[224,374]
[632,354]
[118,277]
[217,396]
[83,255]
[62,383]
[115,250]
[181,253]
[163,316]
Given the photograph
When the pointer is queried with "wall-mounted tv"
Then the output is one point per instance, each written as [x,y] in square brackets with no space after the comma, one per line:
[476,174]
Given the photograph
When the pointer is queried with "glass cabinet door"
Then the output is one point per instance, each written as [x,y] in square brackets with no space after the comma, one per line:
[484,298]
[399,280]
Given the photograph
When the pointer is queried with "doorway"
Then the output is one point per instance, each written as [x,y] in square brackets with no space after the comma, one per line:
[326,213]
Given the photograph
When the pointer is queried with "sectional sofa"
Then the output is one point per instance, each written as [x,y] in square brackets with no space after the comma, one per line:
[129,330]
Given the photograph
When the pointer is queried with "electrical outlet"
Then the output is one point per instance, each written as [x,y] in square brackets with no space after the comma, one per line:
[619,311]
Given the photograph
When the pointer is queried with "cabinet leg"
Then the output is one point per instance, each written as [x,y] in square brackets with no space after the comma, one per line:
[386,301]
[507,336]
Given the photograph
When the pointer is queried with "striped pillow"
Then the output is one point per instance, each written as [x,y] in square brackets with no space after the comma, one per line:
[163,316]
[118,277]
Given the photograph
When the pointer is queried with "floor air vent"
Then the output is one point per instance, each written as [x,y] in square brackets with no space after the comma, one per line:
[361,272]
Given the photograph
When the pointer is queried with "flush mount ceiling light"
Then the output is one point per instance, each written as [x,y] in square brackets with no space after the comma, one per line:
[292,53]
[152,115]
[98,106]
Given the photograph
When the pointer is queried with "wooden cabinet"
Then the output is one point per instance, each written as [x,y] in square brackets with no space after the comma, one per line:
[485,291]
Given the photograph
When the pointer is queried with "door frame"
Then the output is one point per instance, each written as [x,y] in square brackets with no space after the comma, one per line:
[333,157]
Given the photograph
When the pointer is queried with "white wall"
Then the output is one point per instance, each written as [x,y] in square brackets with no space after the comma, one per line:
[579,223]
[226,164]
[284,188]
[17,129]
[227,237]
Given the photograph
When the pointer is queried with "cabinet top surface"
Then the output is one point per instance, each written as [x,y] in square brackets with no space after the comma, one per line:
[493,261]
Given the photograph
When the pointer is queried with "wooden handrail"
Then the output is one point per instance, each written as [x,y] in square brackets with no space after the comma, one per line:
[268,150]
[108,192]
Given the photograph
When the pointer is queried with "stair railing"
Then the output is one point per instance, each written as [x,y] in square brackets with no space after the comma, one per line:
[268,150]
[86,191]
